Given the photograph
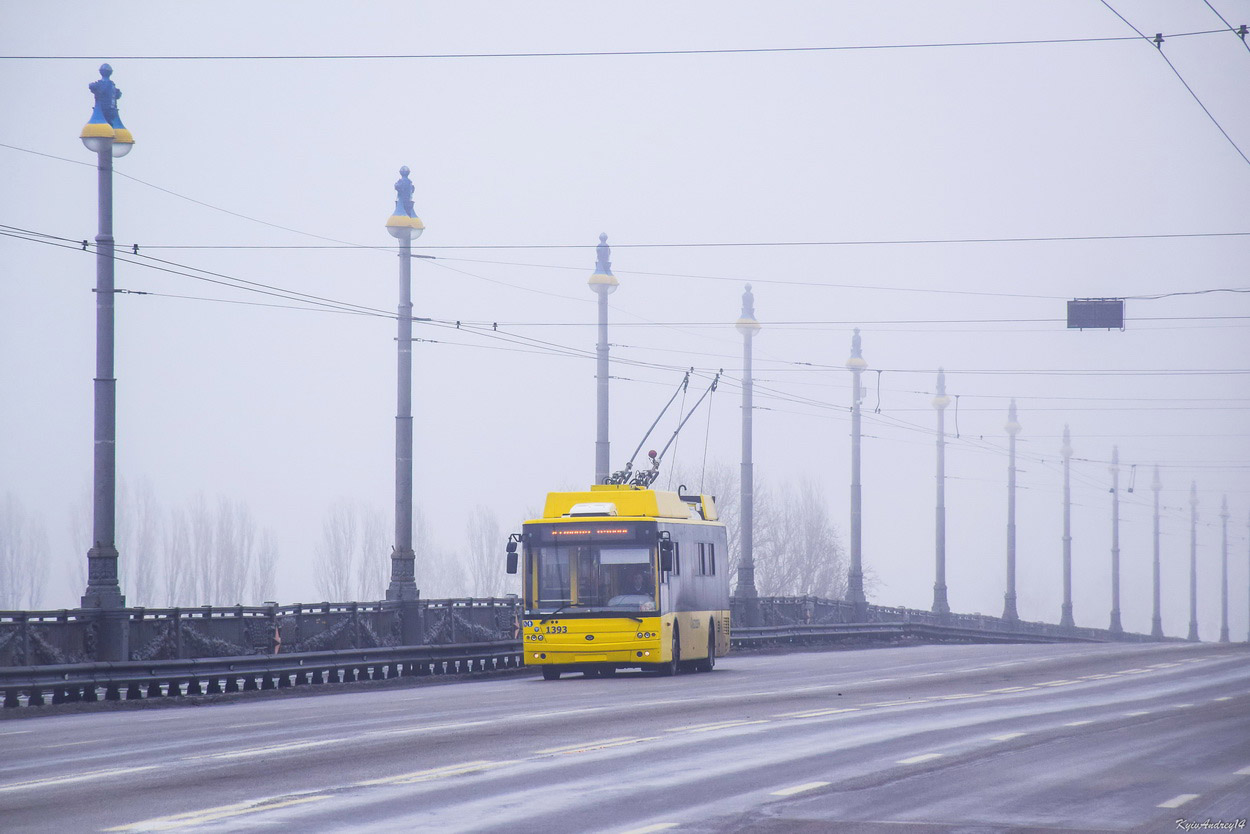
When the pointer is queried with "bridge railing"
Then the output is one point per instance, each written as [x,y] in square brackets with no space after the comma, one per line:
[73,636]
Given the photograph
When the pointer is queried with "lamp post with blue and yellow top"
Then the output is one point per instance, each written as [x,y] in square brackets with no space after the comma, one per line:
[108,138]
[404,226]
[602,283]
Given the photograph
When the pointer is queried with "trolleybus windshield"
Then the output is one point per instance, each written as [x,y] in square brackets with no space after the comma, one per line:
[606,577]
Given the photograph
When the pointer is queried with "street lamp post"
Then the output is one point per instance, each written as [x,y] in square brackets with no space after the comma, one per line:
[1193,563]
[1009,598]
[941,606]
[1224,571]
[1065,617]
[405,227]
[1115,627]
[603,283]
[1156,621]
[745,590]
[105,135]
[855,579]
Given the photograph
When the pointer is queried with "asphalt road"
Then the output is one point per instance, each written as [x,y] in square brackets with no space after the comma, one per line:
[928,738]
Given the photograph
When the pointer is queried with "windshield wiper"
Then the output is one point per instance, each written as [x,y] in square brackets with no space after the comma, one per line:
[561,608]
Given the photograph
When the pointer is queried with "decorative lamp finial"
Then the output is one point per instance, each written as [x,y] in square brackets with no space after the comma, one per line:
[404,223]
[1013,424]
[1066,449]
[856,362]
[941,401]
[746,323]
[105,123]
[602,280]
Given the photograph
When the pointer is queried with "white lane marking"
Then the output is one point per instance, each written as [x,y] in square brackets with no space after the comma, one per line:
[806,786]
[78,777]
[407,731]
[724,725]
[68,744]
[434,773]
[1178,801]
[1060,682]
[1163,665]
[1225,698]
[923,757]
[898,703]
[881,680]
[1010,689]
[268,750]
[1098,676]
[815,713]
[583,744]
[1245,771]
[16,732]
[1077,723]
[959,697]
[246,726]
[1181,706]
[191,818]
[1007,736]
[604,745]
[647,829]
[1139,712]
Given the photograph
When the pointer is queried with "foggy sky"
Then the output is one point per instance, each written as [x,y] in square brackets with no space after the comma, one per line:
[291,410]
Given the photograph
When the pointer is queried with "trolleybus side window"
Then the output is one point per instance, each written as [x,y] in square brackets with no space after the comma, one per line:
[711,559]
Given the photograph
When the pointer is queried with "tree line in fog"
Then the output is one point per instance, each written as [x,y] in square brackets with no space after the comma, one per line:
[214,551]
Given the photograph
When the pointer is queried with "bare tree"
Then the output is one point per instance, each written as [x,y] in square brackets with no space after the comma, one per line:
[335,552]
[176,562]
[373,564]
[23,556]
[351,559]
[139,522]
[234,549]
[264,578]
[203,586]
[484,548]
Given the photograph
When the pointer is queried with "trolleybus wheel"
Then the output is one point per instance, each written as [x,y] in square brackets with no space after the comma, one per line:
[550,673]
[708,663]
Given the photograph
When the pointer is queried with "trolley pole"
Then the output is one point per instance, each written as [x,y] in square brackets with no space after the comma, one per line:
[1065,617]
[1224,571]
[1156,621]
[941,606]
[603,283]
[745,590]
[1193,563]
[1009,598]
[404,226]
[855,579]
[1115,627]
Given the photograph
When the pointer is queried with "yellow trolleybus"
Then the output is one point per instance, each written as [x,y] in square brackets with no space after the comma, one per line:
[623,577]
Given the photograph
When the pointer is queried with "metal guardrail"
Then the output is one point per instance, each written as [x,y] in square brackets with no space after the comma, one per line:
[827,633]
[57,684]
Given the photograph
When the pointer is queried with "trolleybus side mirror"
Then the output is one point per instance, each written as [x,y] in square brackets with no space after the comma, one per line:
[666,555]
[512,560]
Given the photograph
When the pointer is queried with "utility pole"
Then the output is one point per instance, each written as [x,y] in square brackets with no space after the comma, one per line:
[1224,572]
[1115,628]
[405,227]
[1193,563]
[745,591]
[1156,621]
[1009,598]
[941,606]
[603,283]
[1065,618]
[855,580]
